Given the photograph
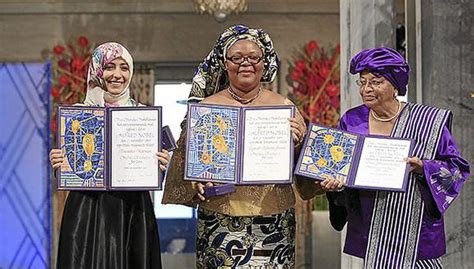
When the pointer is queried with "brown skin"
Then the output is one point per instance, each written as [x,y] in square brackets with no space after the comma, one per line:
[245,81]
[244,78]
[116,76]
[380,99]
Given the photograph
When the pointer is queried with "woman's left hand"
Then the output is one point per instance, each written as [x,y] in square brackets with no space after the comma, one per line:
[164,158]
[416,165]
[298,130]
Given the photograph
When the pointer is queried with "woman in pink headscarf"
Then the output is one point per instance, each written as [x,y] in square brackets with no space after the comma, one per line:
[115,229]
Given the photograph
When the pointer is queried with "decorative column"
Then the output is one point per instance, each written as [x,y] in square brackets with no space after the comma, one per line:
[363,24]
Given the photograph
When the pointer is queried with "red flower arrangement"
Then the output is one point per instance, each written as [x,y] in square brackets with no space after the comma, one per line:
[314,78]
[69,65]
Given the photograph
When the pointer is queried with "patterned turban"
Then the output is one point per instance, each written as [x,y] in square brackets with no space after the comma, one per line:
[210,75]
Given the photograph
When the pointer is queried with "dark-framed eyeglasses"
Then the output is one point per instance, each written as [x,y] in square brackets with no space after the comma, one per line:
[370,83]
[237,59]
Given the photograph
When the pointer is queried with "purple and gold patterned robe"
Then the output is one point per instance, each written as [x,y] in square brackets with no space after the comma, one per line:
[403,230]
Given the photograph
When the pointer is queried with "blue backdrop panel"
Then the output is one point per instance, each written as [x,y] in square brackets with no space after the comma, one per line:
[25,203]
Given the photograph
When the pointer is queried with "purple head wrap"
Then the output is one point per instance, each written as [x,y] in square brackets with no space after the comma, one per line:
[385,62]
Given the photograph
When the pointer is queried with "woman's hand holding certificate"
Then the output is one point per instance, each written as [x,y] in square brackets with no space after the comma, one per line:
[109,148]
[241,145]
[365,162]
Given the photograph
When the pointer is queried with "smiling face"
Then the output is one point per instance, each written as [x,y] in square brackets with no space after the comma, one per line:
[375,91]
[116,76]
[246,75]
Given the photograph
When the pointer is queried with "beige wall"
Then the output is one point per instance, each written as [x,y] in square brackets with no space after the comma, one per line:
[159,31]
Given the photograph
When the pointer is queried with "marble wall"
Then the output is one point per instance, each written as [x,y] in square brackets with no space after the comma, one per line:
[447,78]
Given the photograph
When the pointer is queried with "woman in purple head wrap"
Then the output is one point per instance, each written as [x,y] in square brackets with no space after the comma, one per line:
[383,62]
[398,229]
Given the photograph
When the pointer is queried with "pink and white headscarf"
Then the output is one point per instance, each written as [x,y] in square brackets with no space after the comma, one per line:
[97,94]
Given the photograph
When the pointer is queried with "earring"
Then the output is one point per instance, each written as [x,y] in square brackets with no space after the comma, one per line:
[395,94]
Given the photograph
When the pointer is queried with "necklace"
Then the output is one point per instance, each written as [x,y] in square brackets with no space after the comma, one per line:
[388,119]
[240,99]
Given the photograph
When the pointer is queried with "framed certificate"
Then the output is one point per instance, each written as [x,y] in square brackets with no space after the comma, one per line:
[239,145]
[364,162]
[109,148]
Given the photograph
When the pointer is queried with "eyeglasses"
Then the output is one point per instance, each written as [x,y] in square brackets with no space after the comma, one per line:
[252,59]
[370,83]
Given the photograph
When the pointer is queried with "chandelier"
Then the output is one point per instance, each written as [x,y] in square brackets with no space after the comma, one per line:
[220,9]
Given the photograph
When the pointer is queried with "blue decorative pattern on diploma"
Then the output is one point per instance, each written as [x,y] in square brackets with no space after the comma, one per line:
[328,152]
[212,144]
[82,139]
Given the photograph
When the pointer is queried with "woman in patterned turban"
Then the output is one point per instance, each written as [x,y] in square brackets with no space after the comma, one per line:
[253,227]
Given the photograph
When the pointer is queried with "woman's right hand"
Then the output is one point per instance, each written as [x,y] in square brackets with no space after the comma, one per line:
[56,158]
[200,189]
[332,184]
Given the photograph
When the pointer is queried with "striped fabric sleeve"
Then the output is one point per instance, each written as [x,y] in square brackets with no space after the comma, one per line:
[444,176]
